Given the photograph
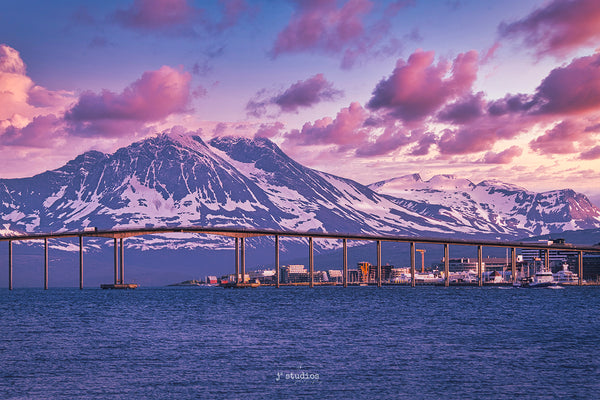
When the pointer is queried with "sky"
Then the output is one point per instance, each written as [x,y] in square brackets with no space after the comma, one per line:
[368,90]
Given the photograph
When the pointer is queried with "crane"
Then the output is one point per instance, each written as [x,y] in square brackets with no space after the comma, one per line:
[422,251]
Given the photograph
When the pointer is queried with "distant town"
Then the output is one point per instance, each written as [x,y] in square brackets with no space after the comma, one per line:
[461,271]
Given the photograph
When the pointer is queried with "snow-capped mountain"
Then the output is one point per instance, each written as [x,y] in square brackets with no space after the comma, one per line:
[176,180]
[492,204]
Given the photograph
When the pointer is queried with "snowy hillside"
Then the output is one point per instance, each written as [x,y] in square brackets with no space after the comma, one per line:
[176,180]
[494,203]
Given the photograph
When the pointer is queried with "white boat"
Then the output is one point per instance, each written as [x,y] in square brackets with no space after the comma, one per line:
[540,279]
[566,276]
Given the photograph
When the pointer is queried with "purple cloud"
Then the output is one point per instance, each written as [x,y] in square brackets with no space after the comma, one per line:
[558,28]
[43,131]
[307,93]
[157,14]
[591,154]
[153,97]
[464,110]
[562,138]
[302,94]
[504,157]
[418,88]
[347,129]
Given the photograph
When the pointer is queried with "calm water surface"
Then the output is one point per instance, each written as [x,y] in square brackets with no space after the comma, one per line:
[326,343]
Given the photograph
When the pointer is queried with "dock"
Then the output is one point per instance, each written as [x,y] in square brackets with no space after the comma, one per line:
[118,286]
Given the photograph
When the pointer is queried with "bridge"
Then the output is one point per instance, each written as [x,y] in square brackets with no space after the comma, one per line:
[241,234]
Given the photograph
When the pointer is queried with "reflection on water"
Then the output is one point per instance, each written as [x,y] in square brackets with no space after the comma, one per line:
[330,342]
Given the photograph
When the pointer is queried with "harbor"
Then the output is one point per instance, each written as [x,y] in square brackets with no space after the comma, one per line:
[366,273]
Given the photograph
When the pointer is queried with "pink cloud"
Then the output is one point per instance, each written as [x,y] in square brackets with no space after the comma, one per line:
[269,130]
[424,143]
[511,104]
[357,131]
[42,97]
[464,110]
[321,24]
[417,88]
[572,89]
[591,154]
[339,28]
[19,95]
[153,97]
[490,53]
[558,28]
[10,61]
[391,139]
[307,93]
[346,129]
[504,157]
[157,14]
[562,138]
[42,132]
[481,134]
[181,17]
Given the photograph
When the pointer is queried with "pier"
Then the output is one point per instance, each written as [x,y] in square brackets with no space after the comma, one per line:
[240,236]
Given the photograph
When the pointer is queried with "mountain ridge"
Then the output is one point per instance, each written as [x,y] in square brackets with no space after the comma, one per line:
[180,180]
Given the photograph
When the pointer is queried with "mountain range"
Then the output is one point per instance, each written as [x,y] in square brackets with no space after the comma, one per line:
[178,180]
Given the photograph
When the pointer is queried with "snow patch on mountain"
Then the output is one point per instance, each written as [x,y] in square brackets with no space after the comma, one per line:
[179,180]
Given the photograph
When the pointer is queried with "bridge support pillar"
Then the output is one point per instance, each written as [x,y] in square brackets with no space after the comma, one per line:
[446,265]
[345,262]
[546,260]
[580,268]
[122,260]
[116,260]
[80,262]
[311,263]
[45,263]
[10,266]
[276,261]
[412,264]
[479,266]
[513,264]
[379,263]
[243,259]
[237,260]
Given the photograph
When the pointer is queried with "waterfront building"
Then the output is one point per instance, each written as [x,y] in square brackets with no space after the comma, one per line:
[463,264]
[335,275]
[368,272]
[262,276]
[364,269]
[353,276]
[400,275]
[320,276]
[556,257]
[591,267]
[294,274]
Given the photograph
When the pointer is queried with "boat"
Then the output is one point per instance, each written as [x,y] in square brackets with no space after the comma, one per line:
[541,279]
[566,276]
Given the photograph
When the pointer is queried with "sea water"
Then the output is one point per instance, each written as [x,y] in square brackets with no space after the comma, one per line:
[297,342]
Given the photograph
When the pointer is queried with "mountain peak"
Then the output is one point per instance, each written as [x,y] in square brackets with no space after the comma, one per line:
[448,182]
[176,179]
[83,161]
[180,137]
[261,152]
